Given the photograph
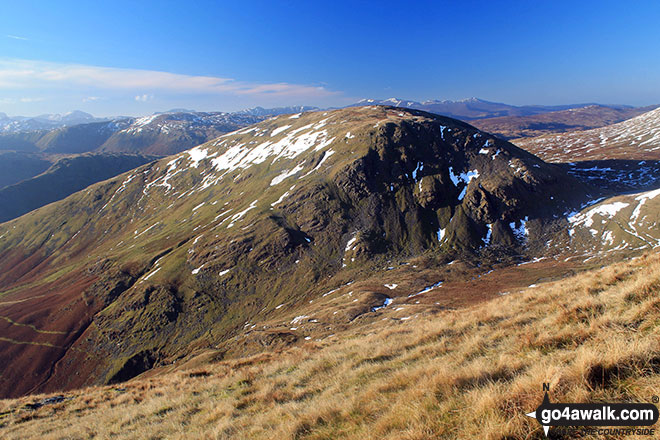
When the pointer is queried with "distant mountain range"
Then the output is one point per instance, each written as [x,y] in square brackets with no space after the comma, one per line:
[16,124]
[24,154]
[474,108]
[561,121]
[21,124]
[161,133]
[74,156]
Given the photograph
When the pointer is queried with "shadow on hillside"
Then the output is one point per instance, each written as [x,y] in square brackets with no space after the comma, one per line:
[617,176]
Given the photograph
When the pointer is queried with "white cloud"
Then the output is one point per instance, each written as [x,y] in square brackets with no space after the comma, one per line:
[29,74]
[17,100]
[16,37]
[27,100]
[144,98]
[91,99]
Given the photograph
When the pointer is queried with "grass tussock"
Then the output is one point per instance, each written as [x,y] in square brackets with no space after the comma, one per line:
[469,373]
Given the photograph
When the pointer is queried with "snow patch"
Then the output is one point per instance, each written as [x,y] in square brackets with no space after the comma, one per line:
[286,174]
[278,201]
[386,303]
[240,215]
[196,271]
[521,231]
[465,178]
[298,319]
[196,155]
[427,289]
[489,233]
[279,130]
[587,218]
[151,274]
[642,198]
[350,244]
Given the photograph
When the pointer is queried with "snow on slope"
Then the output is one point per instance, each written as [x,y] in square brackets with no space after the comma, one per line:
[634,139]
[628,222]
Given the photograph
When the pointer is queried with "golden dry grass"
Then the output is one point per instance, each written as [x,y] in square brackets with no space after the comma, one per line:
[458,374]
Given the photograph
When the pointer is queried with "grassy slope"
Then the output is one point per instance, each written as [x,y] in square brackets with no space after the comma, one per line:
[455,374]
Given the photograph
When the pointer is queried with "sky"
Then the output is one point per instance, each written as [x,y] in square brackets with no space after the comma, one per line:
[138,57]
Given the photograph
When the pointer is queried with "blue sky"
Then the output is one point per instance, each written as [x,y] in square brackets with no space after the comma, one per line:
[137,57]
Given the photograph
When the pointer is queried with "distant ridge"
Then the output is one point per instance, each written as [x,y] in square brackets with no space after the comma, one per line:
[474,108]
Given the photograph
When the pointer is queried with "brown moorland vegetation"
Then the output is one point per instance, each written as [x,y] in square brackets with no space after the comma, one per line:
[470,373]
[563,121]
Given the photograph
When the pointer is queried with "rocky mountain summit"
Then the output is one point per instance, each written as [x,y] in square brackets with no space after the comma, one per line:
[183,253]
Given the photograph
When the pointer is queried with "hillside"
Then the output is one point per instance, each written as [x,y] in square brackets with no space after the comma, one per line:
[16,166]
[634,139]
[21,142]
[563,121]
[180,254]
[623,222]
[169,133]
[63,178]
[409,374]
[82,138]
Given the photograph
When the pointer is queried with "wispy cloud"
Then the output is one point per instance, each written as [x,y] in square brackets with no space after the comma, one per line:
[28,74]
[16,37]
[23,100]
[91,99]
[26,100]
[144,98]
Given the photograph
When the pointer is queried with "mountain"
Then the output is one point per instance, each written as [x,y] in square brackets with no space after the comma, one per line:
[82,138]
[574,119]
[472,108]
[63,178]
[188,252]
[634,139]
[162,134]
[17,124]
[70,118]
[170,133]
[260,111]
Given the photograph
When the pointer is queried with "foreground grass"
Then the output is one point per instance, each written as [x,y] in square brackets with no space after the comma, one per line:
[461,374]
